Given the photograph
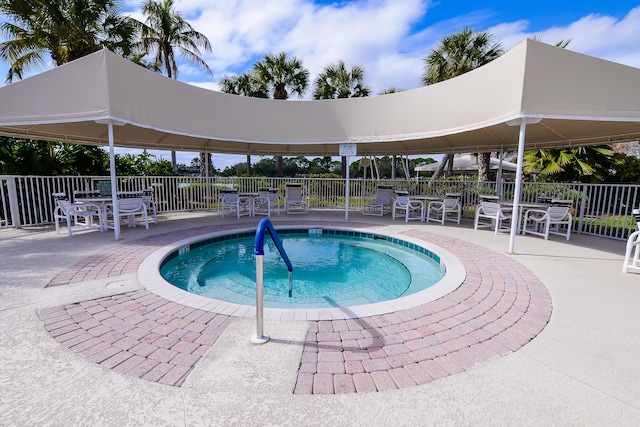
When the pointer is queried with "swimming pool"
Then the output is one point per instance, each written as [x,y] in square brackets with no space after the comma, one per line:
[331,268]
[150,278]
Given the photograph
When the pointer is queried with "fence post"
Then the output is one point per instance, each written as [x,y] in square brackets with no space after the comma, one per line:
[583,203]
[13,202]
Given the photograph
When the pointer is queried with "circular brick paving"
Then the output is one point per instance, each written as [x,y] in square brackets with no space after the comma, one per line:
[499,308]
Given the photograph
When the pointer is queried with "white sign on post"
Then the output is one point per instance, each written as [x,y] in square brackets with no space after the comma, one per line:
[347,150]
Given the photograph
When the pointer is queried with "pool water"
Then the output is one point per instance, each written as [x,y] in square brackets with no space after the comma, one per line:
[329,270]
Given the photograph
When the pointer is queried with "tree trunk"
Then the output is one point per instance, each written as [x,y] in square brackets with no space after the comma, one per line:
[279,167]
[174,163]
[449,172]
[344,166]
[248,164]
[484,161]
[446,160]
[205,160]
[393,167]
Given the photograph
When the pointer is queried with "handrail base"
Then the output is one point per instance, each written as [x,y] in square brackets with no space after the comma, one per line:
[260,340]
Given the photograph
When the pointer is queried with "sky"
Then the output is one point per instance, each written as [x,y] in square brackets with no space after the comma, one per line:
[388,38]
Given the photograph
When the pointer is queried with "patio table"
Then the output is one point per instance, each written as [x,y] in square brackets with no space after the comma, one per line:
[425,200]
[101,201]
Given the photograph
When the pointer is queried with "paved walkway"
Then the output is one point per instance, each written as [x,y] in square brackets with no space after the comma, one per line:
[580,369]
[499,308]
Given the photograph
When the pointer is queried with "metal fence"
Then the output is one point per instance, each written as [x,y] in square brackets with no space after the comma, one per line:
[598,209]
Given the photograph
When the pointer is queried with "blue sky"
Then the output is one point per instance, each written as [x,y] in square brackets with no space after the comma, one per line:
[388,38]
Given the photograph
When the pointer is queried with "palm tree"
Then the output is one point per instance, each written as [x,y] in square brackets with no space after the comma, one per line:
[59,31]
[336,81]
[570,164]
[245,84]
[457,54]
[282,76]
[389,90]
[165,32]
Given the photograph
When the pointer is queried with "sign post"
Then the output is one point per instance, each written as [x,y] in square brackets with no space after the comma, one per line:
[347,150]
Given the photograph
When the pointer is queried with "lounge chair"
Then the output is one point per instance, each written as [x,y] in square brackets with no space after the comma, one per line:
[403,206]
[76,214]
[442,211]
[554,220]
[382,202]
[294,200]
[493,214]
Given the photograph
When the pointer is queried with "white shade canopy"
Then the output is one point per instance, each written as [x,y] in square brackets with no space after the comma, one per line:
[577,99]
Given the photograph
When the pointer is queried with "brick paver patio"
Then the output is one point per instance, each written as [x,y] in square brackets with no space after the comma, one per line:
[499,308]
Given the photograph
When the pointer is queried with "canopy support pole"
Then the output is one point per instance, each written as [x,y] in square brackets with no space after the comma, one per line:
[515,215]
[114,184]
[499,174]
[346,191]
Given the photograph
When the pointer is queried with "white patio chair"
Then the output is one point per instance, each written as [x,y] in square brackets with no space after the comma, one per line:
[76,214]
[129,208]
[147,199]
[632,252]
[493,214]
[449,209]
[403,206]
[265,202]
[294,200]
[382,202]
[234,203]
[554,220]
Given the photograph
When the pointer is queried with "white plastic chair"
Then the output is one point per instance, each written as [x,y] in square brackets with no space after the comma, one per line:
[381,204]
[632,252]
[76,214]
[441,211]
[232,202]
[147,199]
[554,220]
[265,202]
[493,214]
[294,201]
[407,208]
[129,208]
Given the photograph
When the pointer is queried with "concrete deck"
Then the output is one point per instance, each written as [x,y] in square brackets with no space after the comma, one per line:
[60,366]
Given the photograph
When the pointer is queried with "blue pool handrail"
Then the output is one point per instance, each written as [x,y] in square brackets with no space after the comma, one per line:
[265,224]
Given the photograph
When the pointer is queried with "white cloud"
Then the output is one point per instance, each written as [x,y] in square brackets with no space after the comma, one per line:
[595,34]
[366,33]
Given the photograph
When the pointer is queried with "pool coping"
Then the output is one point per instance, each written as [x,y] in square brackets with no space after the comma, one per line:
[150,277]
